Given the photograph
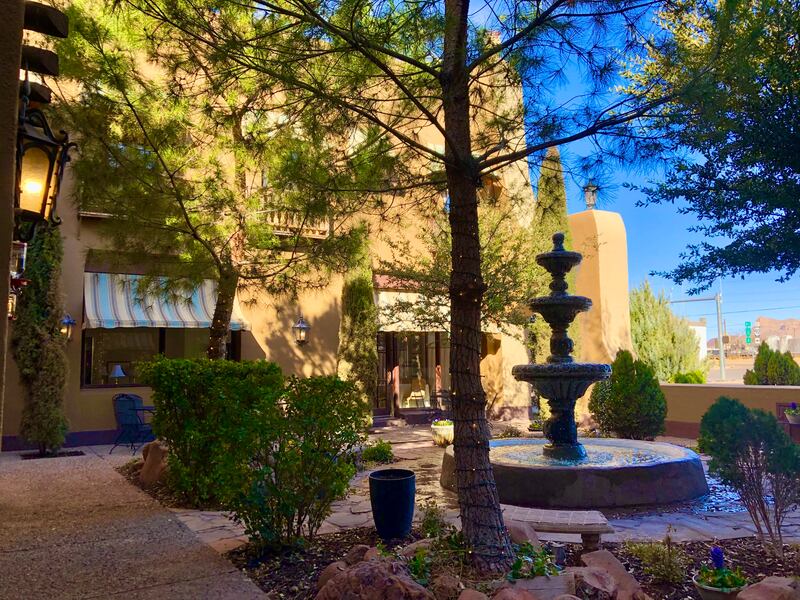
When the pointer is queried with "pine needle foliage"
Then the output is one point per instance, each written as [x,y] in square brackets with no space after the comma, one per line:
[38,346]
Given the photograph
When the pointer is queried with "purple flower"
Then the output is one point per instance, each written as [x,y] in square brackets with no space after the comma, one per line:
[717,557]
[794,405]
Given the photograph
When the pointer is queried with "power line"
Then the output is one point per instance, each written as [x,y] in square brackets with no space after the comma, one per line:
[750,310]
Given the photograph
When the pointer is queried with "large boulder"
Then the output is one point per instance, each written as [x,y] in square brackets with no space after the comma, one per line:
[331,571]
[410,550]
[155,462]
[356,554]
[627,586]
[374,580]
[772,588]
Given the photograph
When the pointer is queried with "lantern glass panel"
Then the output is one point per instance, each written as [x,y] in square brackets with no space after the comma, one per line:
[34,182]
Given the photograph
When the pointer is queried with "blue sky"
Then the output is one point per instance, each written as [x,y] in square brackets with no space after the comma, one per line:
[656,237]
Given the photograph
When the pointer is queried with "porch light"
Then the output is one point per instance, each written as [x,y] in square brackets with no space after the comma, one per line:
[301,329]
[41,157]
[19,251]
[67,326]
[590,195]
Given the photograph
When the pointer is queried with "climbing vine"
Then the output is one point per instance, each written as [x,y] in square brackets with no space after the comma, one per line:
[38,346]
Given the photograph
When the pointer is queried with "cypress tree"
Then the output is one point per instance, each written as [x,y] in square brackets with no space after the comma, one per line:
[661,338]
[38,346]
[357,355]
[549,217]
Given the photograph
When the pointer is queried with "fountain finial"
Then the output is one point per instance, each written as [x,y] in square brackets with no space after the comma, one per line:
[558,242]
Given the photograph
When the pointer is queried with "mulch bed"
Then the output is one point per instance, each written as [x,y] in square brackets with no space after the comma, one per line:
[62,453]
[160,490]
[746,553]
[293,573]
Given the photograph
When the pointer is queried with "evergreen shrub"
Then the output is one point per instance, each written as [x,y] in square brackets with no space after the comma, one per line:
[211,414]
[630,404]
[752,454]
[690,377]
[303,463]
[773,368]
[378,452]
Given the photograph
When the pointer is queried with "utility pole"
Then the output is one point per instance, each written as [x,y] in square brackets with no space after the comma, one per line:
[717,298]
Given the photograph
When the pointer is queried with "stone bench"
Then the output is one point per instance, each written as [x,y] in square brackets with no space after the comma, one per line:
[589,524]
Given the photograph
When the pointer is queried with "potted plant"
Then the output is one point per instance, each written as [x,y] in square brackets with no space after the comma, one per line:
[793,414]
[717,582]
[442,431]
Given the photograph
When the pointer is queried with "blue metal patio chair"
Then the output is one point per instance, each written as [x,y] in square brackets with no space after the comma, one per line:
[134,431]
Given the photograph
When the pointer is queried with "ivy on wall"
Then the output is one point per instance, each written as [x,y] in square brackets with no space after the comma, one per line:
[38,346]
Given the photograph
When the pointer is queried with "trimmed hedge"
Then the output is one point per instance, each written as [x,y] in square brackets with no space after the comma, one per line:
[207,412]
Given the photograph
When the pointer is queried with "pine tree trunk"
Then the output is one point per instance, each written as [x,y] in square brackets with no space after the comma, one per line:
[481,517]
[226,292]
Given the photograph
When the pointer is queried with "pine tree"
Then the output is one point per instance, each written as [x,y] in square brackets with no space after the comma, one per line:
[661,338]
[358,356]
[38,346]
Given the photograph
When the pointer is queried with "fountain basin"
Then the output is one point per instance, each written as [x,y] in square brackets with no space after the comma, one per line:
[616,473]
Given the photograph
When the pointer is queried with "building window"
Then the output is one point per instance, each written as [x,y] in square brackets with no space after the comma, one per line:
[103,349]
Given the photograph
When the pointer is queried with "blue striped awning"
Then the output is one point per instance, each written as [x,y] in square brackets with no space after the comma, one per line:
[110,301]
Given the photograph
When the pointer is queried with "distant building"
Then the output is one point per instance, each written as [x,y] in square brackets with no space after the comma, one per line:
[700,329]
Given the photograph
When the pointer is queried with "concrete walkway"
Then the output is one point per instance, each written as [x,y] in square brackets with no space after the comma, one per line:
[74,528]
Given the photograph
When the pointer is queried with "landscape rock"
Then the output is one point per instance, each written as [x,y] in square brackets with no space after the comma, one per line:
[155,462]
[512,593]
[386,579]
[329,572]
[410,550]
[372,554]
[356,554]
[473,595]
[772,588]
[567,597]
[627,586]
[522,532]
[446,587]
[593,583]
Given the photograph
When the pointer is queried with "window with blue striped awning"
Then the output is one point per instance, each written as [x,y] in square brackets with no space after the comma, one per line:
[110,301]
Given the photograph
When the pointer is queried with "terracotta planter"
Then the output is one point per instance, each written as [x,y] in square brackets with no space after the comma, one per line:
[793,419]
[442,435]
[710,593]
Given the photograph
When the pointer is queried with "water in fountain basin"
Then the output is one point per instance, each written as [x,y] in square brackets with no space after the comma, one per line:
[529,452]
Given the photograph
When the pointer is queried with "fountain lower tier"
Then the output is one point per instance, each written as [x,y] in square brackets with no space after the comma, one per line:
[615,472]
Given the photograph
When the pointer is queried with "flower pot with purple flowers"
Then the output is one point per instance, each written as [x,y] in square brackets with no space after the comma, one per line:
[793,414]
[717,582]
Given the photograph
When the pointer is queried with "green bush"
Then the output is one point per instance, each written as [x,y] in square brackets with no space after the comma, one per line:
[631,403]
[663,561]
[752,454]
[690,377]
[211,414]
[378,452]
[303,464]
[773,368]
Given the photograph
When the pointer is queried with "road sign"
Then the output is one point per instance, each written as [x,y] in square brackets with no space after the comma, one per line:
[747,324]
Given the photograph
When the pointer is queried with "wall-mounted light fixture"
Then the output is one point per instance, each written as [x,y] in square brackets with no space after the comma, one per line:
[67,326]
[301,329]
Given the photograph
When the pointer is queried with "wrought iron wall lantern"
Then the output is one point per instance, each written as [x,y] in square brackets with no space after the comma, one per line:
[301,329]
[67,326]
[41,158]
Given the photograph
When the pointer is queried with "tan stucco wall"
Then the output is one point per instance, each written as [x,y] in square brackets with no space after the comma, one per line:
[602,276]
[687,403]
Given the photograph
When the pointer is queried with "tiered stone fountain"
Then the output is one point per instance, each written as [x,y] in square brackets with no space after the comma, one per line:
[562,471]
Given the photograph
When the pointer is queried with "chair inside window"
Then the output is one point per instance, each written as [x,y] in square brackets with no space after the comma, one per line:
[134,431]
